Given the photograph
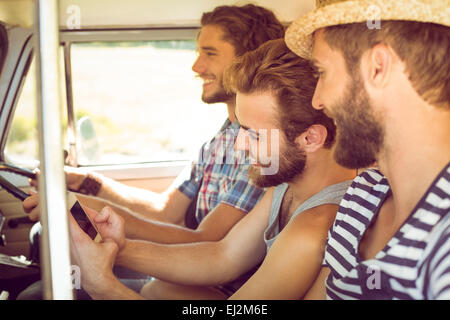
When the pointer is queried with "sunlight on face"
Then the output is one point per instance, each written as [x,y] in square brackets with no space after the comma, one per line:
[343,97]
[274,160]
[214,56]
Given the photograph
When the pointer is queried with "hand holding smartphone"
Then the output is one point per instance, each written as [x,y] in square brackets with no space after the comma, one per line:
[82,217]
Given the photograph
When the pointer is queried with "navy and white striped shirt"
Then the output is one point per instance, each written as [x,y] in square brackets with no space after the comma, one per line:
[415,264]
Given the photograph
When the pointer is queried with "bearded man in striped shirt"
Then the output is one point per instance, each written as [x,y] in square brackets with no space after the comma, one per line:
[384,76]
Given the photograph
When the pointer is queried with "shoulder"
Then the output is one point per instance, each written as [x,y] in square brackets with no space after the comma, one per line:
[310,228]
[438,262]
[267,197]
[315,219]
[368,180]
[364,195]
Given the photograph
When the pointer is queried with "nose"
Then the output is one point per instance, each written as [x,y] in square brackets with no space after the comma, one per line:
[316,101]
[199,65]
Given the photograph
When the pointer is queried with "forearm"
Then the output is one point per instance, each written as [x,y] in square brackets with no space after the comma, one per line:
[142,202]
[214,227]
[113,289]
[159,232]
[199,264]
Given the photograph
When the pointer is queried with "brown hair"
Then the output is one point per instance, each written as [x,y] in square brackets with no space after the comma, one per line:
[424,48]
[274,68]
[246,27]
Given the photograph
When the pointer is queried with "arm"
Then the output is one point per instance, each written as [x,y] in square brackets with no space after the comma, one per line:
[438,269]
[213,228]
[204,263]
[318,289]
[294,260]
[241,196]
[97,259]
[169,206]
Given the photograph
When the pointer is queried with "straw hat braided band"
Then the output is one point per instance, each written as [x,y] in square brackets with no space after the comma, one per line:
[335,12]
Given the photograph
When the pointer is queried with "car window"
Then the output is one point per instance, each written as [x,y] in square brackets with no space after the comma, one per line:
[134,102]
[22,144]
[139,102]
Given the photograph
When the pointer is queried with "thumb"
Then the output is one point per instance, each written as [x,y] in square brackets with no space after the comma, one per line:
[107,214]
[111,247]
[104,215]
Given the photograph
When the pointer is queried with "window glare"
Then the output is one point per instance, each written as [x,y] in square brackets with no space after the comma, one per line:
[143,101]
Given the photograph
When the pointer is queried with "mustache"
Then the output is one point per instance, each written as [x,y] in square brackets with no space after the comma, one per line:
[254,162]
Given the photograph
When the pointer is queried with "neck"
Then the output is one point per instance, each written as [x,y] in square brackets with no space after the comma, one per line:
[414,154]
[231,106]
[320,171]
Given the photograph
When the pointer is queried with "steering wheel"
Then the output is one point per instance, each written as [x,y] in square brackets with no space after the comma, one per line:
[15,191]
[8,186]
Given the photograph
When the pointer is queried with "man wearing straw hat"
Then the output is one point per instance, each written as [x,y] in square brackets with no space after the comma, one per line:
[384,76]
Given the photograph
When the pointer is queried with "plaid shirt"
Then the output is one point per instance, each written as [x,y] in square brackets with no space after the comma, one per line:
[220,175]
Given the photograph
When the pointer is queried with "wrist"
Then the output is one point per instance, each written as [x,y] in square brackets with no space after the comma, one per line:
[103,288]
[91,184]
[121,256]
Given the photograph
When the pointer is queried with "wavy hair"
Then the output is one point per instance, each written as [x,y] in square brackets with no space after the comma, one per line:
[291,79]
[245,27]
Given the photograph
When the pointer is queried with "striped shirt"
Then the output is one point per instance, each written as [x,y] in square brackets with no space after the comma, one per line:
[220,175]
[415,264]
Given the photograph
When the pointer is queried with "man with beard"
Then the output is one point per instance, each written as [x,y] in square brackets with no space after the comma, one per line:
[386,83]
[216,187]
[289,143]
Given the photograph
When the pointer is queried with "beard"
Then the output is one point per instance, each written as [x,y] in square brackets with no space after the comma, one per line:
[220,95]
[291,164]
[359,135]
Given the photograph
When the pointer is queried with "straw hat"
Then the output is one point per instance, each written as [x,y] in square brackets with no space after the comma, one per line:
[334,12]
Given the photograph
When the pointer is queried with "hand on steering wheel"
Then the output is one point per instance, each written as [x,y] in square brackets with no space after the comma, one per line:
[8,186]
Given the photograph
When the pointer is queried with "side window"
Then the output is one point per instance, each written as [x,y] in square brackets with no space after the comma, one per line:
[139,102]
[22,144]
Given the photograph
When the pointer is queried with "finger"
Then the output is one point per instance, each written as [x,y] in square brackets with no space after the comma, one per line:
[34,183]
[31,202]
[107,214]
[35,214]
[104,216]
[92,214]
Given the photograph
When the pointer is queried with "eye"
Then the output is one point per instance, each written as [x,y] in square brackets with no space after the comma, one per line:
[318,74]
[211,54]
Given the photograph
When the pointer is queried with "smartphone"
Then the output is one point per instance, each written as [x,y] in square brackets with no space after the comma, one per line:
[82,217]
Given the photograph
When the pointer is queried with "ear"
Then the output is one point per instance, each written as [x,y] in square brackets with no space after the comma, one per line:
[376,66]
[313,138]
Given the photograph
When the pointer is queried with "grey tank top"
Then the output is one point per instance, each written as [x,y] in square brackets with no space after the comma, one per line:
[330,195]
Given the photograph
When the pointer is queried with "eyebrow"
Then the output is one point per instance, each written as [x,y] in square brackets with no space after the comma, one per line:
[315,62]
[209,48]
